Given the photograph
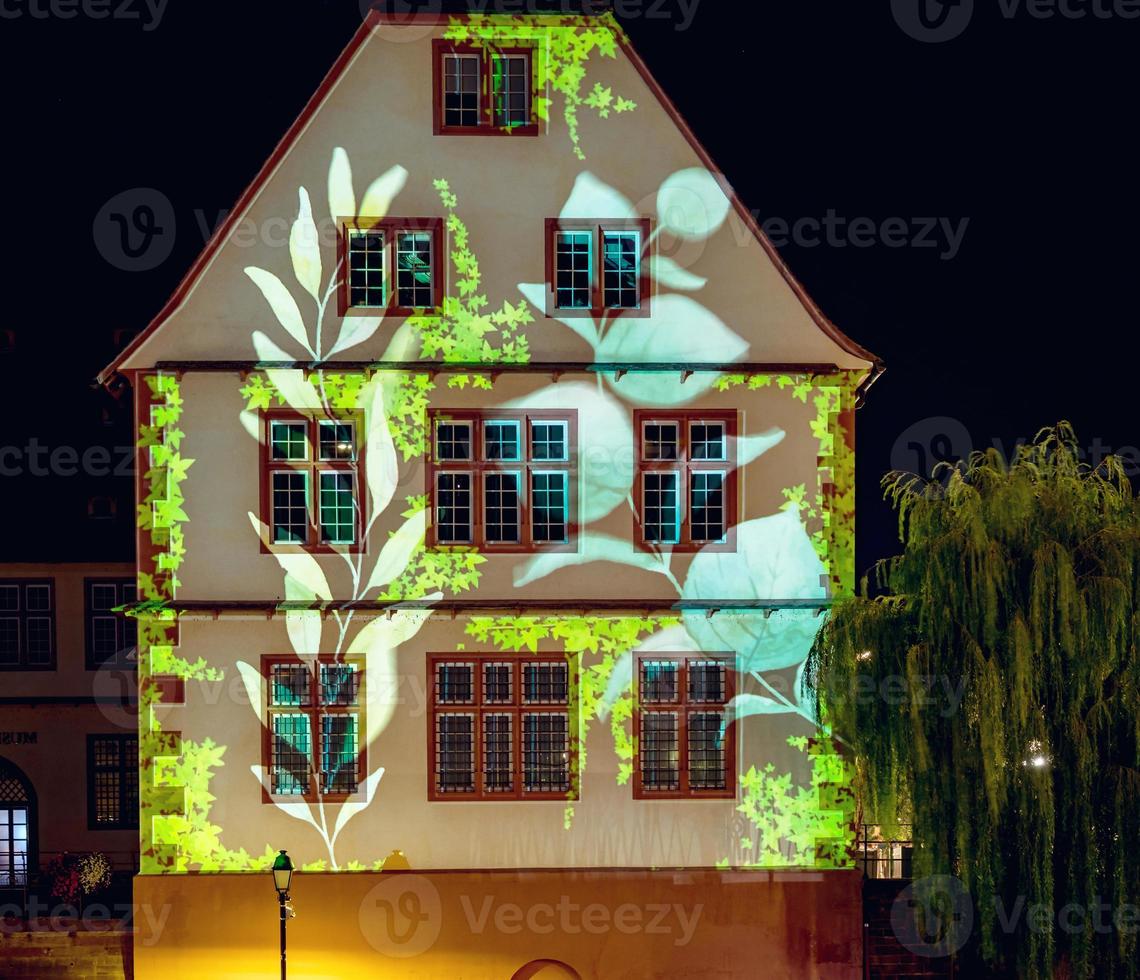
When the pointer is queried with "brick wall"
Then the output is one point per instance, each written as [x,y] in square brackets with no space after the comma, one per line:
[65,955]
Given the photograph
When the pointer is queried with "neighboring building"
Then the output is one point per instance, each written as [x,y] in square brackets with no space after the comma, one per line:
[496,474]
[68,719]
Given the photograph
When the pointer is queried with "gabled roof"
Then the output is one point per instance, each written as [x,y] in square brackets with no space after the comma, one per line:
[375,18]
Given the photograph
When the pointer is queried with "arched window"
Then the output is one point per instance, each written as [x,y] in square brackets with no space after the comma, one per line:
[17,827]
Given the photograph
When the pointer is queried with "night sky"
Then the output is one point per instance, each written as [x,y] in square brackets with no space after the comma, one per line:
[1023,126]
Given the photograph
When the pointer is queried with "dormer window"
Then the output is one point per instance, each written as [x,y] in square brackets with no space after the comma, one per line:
[484,92]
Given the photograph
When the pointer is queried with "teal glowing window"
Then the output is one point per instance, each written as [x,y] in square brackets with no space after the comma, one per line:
[289,440]
[661,521]
[510,90]
[686,485]
[315,718]
[340,744]
[501,441]
[707,495]
[290,507]
[366,284]
[502,480]
[621,254]
[462,83]
[574,270]
[549,442]
[338,508]
[292,752]
[501,501]
[550,501]
[312,485]
[414,285]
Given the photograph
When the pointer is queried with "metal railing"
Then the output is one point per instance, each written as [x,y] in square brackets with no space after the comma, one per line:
[889,859]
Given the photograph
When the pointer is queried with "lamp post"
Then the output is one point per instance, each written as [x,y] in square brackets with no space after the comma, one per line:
[282,876]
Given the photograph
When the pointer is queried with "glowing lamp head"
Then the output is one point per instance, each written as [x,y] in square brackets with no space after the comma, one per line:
[864,656]
[282,873]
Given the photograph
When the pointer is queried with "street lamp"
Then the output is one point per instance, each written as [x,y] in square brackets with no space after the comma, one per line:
[282,876]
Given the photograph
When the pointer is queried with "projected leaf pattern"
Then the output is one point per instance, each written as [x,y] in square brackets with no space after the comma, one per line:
[777,558]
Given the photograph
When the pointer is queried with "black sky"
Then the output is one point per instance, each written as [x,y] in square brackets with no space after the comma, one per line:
[1024,126]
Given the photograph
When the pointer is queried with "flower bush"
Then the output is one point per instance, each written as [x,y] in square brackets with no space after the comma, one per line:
[73,876]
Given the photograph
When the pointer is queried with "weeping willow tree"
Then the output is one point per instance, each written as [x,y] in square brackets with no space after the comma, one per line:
[990,692]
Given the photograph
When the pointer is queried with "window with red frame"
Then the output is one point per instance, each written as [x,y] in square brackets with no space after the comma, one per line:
[483,92]
[503,481]
[684,739]
[393,266]
[597,268]
[314,738]
[502,729]
[312,490]
[686,479]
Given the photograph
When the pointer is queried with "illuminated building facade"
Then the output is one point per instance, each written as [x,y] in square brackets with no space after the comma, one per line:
[495,474]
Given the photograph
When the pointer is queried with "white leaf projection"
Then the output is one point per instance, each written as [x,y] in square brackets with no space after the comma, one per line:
[591,547]
[355,330]
[583,326]
[774,560]
[304,629]
[304,578]
[692,204]
[251,680]
[666,272]
[679,331]
[674,640]
[381,467]
[351,809]
[592,199]
[284,307]
[378,198]
[297,391]
[605,443]
[342,198]
[750,705]
[398,551]
[305,248]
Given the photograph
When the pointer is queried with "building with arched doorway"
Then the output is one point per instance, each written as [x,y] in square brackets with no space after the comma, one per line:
[68,721]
